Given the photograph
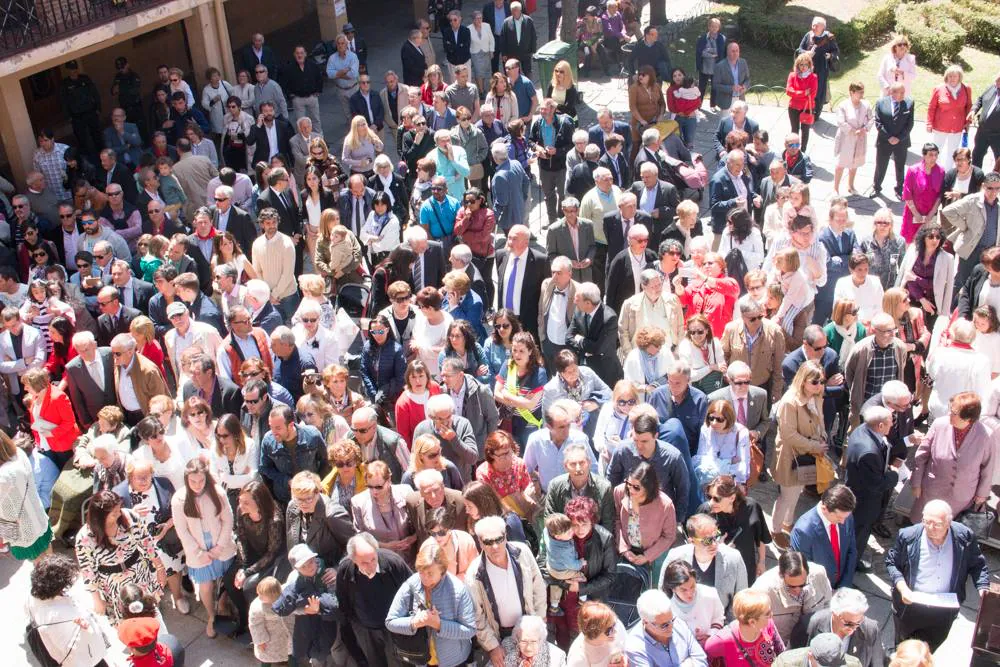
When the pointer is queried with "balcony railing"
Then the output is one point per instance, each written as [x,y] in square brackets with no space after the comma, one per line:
[26,24]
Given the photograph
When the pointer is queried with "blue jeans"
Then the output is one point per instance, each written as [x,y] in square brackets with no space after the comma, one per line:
[688,125]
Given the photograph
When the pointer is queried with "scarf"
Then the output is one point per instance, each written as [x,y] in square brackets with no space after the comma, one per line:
[954,90]
[211,234]
[649,366]
[512,388]
[380,222]
[419,399]
[849,337]
[386,182]
[804,75]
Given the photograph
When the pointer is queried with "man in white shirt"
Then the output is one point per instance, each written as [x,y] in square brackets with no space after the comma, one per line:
[314,338]
[12,291]
[555,309]
[231,293]
[187,333]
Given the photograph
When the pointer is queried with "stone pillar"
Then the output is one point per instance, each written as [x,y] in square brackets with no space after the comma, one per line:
[332,15]
[15,128]
[420,9]
[208,43]
[222,27]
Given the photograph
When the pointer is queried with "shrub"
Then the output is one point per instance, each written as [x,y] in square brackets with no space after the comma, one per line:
[935,36]
[980,21]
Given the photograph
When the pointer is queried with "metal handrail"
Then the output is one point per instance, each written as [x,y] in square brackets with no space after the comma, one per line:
[28,24]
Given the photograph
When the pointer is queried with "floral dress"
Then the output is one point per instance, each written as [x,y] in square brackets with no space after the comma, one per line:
[106,571]
[514,480]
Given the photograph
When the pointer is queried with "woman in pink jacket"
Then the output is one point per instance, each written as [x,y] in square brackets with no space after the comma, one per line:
[947,114]
[647,521]
[801,89]
[203,520]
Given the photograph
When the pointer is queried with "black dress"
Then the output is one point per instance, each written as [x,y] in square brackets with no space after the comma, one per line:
[743,530]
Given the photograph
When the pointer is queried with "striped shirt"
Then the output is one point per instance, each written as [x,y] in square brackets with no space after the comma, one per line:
[817,251]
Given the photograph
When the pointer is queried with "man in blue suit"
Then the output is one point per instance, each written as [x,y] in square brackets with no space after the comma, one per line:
[737,120]
[869,475]
[457,41]
[825,535]
[510,189]
[367,103]
[605,127]
[935,556]
[730,188]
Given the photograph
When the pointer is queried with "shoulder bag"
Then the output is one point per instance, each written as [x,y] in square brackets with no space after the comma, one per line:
[413,649]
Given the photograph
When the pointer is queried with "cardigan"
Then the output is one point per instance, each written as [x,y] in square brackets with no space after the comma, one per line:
[730,571]
[452,600]
[657,523]
[191,530]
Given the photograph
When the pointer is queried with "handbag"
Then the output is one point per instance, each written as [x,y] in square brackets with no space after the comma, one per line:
[807,117]
[714,380]
[12,527]
[980,522]
[476,172]
[412,649]
[756,465]
[804,466]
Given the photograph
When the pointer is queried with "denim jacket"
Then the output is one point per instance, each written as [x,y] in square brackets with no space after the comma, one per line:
[451,598]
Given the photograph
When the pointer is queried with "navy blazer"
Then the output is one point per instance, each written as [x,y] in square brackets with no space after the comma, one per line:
[902,560]
[725,127]
[887,126]
[457,52]
[699,46]
[722,195]
[795,358]
[357,105]
[866,472]
[810,537]
[595,135]
[837,253]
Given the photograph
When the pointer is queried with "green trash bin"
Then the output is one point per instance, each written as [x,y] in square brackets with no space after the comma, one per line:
[548,55]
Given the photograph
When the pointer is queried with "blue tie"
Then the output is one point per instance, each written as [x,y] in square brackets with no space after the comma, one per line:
[509,300]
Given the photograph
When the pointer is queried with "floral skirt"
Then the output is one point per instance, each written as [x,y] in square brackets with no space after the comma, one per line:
[214,570]
[36,549]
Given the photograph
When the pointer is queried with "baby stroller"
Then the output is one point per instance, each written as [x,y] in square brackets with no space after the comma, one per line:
[630,581]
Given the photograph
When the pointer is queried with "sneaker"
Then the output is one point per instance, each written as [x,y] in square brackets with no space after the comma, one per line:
[182,605]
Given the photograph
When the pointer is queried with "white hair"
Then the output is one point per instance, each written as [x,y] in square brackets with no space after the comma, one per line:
[283,334]
[352,544]
[442,134]
[876,415]
[489,526]
[850,601]
[428,477]
[383,161]
[648,168]
[962,330]
[438,404]
[364,414]
[578,135]
[938,506]
[533,625]
[462,252]
[499,151]
[739,105]
[652,135]
[895,391]
[638,230]
[82,338]
[679,365]
[570,202]
[259,290]
[225,191]
[698,243]
[123,341]
[883,320]
[601,172]
[651,604]
[414,233]
[737,368]
[589,292]
[748,306]
[562,263]
[309,306]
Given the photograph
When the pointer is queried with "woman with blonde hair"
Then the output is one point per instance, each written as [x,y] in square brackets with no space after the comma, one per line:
[802,87]
[433,83]
[912,653]
[948,114]
[844,329]
[613,427]
[343,399]
[24,525]
[801,436]
[314,410]
[915,334]
[562,89]
[360,146]
[427,454]
[338,253]
[646,365]
[898,66]
[347,472]
[328,165]
[144,332]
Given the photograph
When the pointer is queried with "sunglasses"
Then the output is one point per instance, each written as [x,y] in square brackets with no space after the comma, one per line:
[39,254]
[626,403]
[312,379]
[433,455]
[739,383]
[349,463]
[310,320]
[378,332]
[697,332]
[252,401]
[401,299]
[708,541]
[501,326]
[363,429]
[492,542]
[674,253]
[222,199]
[378,487]
[662,626]
[718,499]
[716,419]
[438,533]
[817,381]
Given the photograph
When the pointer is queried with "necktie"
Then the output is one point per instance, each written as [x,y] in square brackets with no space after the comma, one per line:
[358,222]
[511,280]
[895,110]
[835,543]
[741,411]
[586,321]
[418,274]
[559,292]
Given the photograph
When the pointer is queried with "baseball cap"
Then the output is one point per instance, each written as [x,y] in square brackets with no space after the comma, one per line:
[827,650]
[300,554]
[176,308]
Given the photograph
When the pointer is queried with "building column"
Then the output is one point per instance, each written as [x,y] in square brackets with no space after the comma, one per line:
[208,42]
[420,8]
[15,128]
[332,15]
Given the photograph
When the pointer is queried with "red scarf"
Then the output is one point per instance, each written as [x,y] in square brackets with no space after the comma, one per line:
[211,234]
[960,346]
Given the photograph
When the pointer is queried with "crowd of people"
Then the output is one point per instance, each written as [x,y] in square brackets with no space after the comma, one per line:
[354,403]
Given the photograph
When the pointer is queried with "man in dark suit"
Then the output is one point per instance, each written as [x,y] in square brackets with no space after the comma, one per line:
[494,15]
[605,127]
[896,396]
[432,494]
[657,199]
[730,188]
[135,293]
[916,545]
[115,318]
[430,267]
[749,402]
[265,146]
[414,60]
[203,309]
[893,121]
[625,267]
[825,535]
[112,171]
[355,203]
[616,225]
[580,179]
[227,217]
[846,618]
[366,102]
[614,161]
[988,130]
[90,379]
[556,309]
[257,53]
[357,45]
[518,42]
[560,241]
[815,348]
[457,41]
[222,394]
[737,120]
[768,189]
[869,475]
[521,271]
[593,334]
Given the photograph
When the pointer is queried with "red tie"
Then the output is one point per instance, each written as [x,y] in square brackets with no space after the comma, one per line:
[741,411]
[835,543]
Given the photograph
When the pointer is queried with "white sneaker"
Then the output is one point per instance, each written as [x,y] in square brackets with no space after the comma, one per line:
[182,605]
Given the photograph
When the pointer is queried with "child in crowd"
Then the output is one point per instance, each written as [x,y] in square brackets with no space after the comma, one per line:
[684,100]
[271,634]
[170,188]
[560,557]
[798,294]
[139,635]
[156,254]
[774,220]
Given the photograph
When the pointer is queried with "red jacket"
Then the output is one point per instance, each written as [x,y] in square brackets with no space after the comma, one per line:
[802,91]
[677,105]
[716,304]
[57,409]
[410,413]
[946,113]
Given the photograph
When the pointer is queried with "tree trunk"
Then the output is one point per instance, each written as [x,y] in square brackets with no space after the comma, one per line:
[570,11]
[657,12]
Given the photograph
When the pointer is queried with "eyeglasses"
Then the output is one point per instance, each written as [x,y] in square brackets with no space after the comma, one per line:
[241,323]
[377,332]
[103,303]
[441,532]
[708,541]
[172,80]
[886,223]
[626,403]
[310,320]
[674,253]
[118,354]
[248,374]
[641,241]
[718,499]
[716,419]
[377,487]
[817,381]
[501,326]
[818,348]
[420,124]
[252,401]
[933,236]
[697,332]
[20,206]
[851,625]
[115,194]
[437,188]
[795,145]
[886,331]
[363,429]
[39,254]
[222,199]
[662,626]
[401,299]
[104,256]
[432,455]
[364,82]
[348,463]
[83,267]
[492,542]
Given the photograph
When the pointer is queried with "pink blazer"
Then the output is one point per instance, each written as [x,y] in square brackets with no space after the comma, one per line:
[657,523]
[191,530]
[955,477]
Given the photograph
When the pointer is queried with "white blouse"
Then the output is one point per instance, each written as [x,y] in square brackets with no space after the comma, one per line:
[482,42]
[700,367]
[24,518]
[244,466]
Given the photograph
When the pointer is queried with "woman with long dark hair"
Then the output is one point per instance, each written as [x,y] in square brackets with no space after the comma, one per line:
[497,348]
[460,342]
[647,520]
[204,523]
[234,457]
[316,198]
[741,521]
[742,234]
[481,500]
[61,332]
[226,250]
[114,549]
[519,387]
[928,273]
[395,267]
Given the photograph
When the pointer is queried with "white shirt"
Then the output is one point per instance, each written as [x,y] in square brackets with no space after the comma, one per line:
[126,392]
[272,139]
[990,295]
[505,590]
[96,370]
[638,264]
[247,346]
[741,187]
[223,220]
[323,347]
[555,325]
[515,305]
[647,200]
[868,296]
